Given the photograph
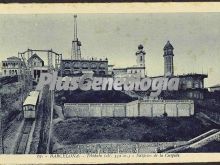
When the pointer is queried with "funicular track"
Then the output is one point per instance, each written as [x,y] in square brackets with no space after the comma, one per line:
[24,136]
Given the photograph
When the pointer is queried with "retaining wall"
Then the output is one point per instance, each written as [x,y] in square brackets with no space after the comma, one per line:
[145,108]
[95,110]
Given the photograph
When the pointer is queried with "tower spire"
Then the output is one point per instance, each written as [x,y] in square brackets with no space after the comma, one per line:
[75,27]
[76,52]
[168,59]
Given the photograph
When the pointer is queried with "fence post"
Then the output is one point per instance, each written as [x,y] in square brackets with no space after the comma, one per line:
[152,111]
[177,113]
[101,109]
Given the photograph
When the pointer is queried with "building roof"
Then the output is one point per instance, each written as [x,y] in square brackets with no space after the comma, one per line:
[35,56]
[120,69]
[131,67]
[193,75]
[168,46]
[85,60]
[31,99]
[14,58]
[215,86]
[184,75]
[140,47]
[136,67]
[140,50]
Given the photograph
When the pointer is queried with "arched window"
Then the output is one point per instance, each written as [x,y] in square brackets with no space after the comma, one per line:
[196,84]
[67,65]
[93,66]
[102,66]
[85,66]
[76,65]
[189,84]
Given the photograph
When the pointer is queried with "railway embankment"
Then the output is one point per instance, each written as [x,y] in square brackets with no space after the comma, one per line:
[41,133]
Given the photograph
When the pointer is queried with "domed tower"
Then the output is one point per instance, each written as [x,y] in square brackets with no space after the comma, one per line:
[140,56]
[168,59]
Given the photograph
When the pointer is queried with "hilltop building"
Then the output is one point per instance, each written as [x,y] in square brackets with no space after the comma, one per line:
[168,59]
[12,66]
[36,65]
[78,65]
[136,70]
[191,84]
[99,67]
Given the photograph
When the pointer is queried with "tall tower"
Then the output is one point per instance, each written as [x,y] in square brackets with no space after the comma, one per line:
[140,56]
[76,52]
[168,59]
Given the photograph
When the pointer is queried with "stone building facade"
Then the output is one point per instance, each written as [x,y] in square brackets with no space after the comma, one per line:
[191,84]
[76,67]
[136,70]
[37,67]
[12,66]
[168,59]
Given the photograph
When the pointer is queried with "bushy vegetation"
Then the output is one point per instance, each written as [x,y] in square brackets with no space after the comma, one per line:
[8,80]
[79,96]
[10,94]
[213,95]
[165,129]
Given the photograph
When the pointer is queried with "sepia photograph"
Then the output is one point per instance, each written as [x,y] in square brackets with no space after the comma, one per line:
[110,83]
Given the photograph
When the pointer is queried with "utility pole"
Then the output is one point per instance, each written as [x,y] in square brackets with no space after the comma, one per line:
[51,120]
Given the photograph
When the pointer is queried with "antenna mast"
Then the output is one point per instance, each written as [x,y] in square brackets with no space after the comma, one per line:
[75,27]
[76,52]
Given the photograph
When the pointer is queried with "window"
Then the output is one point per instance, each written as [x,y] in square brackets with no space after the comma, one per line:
[102,66]
[85,66]
[67,65]
[189,84]
[196,84]
[76,66]
[93,66]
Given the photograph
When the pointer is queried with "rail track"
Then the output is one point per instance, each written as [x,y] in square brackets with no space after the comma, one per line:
[23,138]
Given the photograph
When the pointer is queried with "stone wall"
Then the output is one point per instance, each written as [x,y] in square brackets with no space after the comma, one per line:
[146,108]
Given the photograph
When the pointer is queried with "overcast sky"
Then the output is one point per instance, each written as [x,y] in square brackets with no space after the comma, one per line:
[194,36]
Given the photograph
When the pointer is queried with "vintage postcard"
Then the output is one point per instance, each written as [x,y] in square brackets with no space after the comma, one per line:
[109,85]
